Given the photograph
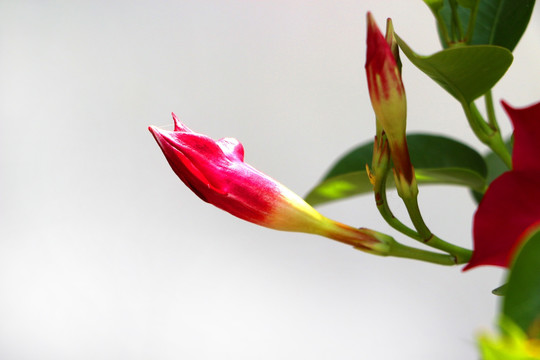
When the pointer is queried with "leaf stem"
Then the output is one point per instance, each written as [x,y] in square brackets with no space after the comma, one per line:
[490,109]
[442,29]
[487,133]
[472,23]
[456,24]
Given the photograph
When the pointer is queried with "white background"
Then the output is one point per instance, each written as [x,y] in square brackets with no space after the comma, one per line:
[105,254]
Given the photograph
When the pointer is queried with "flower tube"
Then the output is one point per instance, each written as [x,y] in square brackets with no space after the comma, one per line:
[216,172]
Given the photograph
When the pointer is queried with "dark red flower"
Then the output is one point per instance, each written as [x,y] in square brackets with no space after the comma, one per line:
[511,205]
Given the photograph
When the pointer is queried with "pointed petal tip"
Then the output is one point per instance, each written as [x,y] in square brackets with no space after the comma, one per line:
[178,125]
[371,23]
[507,107]
[469,266]
[157,133]
[377,45]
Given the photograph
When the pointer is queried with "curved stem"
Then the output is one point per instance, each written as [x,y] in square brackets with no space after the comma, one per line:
[458,255]
[480,128]
[386,213]
[409,194]
[490,109]
[462,255]
[487,134]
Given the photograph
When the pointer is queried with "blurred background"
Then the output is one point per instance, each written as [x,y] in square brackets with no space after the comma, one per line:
[105,254]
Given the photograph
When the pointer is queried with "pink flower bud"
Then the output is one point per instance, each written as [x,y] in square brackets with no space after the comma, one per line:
[216,172]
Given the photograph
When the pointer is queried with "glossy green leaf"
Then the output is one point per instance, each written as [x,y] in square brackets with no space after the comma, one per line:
[467,3]
[522,299]
[465,72]
[498,22]
[436,159]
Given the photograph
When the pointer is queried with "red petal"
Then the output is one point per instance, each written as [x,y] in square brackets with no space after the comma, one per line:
[510,206]
[526,153]
[378,51]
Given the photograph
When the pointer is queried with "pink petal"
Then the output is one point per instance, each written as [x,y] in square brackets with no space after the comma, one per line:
[232,148]
[178,126]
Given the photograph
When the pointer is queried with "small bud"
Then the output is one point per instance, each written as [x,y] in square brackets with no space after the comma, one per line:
[380,163]
[406,188]
[388,98]
[385,86]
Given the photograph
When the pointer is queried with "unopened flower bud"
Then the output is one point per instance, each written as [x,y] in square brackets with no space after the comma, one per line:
[216,172]
[388,98]
[385,86]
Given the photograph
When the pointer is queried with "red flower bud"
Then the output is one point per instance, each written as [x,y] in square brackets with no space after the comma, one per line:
[384,83]
[388,100]
[511,205]
[216,172]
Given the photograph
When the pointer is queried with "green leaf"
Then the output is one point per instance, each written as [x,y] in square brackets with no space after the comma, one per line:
[435,5]
[500,291]
[436,159]
[465,72]
[467,3]
[522,299]
[498,22]
[502,22]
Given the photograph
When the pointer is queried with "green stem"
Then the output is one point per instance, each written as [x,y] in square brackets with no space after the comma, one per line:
[462,255]
[486,133]
[404,251]
[381,166]
[442,28]
[472,22]
[480,128]
[386,213]
[409,193]
[499,147]
[456,24]
[490,109]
